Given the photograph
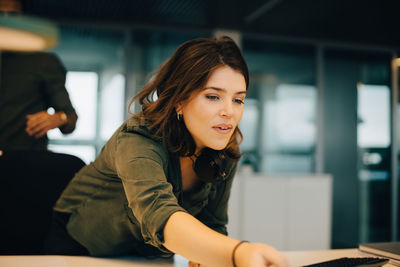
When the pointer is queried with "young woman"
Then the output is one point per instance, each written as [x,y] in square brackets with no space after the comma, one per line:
[162,182]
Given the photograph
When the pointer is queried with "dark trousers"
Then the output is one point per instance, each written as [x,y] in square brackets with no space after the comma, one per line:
[58,241]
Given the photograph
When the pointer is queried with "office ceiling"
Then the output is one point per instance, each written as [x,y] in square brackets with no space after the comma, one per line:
[364,22]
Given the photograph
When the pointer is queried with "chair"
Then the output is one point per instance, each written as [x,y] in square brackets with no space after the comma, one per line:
[30,184]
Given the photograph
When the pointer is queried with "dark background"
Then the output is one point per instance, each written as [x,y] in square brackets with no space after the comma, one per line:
[355,21]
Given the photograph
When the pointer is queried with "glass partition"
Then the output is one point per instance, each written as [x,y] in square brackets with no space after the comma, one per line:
[281,108]
[357,152]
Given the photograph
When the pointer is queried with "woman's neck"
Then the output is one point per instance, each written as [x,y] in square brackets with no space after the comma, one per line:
[189,177]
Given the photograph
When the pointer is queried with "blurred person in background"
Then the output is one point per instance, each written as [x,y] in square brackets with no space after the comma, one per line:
[30,84]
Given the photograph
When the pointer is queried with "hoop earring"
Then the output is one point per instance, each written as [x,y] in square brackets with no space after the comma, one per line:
[179,116]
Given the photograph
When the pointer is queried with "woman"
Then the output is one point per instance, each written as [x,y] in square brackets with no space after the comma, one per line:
[162,182]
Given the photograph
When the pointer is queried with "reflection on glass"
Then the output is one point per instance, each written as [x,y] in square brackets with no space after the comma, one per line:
[112,105]
[82,90]
[248,125]
[373,140]
[282,82]
[373,116]
[289,122]
[289,130]
[290,163]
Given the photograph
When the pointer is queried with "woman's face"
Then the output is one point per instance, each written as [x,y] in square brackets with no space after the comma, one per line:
[212,114]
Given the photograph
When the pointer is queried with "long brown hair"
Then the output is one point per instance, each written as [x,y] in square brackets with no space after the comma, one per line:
[184,73]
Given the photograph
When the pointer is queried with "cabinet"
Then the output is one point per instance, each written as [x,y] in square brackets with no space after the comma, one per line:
[289,212]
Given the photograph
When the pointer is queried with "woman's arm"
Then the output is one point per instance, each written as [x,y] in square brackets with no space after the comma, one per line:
[186,236]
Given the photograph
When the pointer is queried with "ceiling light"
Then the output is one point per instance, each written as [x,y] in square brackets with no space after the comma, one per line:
[396,62]
[23,33]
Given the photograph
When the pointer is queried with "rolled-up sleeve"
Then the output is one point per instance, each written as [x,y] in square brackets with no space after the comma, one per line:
[54,75]
[142,169]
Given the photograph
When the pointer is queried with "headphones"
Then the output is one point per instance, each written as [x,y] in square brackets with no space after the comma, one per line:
[210,166]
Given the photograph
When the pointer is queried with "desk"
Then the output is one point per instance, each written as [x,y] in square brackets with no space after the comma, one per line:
[300,258]
[295,258]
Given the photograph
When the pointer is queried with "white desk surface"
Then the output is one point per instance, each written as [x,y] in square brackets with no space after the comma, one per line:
[295,258]
[300,258]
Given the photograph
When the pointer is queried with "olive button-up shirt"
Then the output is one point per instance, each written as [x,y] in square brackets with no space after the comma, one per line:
[120,203]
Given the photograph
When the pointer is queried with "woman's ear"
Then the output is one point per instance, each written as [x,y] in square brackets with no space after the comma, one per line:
[178,109]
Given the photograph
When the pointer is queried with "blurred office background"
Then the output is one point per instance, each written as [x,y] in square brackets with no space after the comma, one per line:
[323,96]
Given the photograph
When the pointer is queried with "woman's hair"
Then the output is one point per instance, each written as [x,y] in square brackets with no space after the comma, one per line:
[184,73]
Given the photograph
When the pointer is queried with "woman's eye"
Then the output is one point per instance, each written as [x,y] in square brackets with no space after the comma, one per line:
[212,97]
[239,101]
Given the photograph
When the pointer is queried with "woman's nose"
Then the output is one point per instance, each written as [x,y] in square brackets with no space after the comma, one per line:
[226,109]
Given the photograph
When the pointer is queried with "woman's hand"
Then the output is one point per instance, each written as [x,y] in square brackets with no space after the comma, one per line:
[255,255]
[258,255]
[188,237]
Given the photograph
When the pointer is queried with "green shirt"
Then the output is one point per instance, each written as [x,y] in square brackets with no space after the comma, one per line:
[120,203]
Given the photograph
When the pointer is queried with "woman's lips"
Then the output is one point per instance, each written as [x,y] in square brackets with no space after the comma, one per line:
[223,128]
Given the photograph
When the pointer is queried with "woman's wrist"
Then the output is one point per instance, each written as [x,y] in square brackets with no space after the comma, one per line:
[234,251]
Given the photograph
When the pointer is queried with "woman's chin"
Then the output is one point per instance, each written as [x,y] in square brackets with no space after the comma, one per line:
[218,146]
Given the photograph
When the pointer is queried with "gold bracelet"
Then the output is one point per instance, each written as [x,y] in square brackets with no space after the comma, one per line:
[234,251]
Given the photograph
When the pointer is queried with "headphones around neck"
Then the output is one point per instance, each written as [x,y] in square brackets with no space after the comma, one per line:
[211,165]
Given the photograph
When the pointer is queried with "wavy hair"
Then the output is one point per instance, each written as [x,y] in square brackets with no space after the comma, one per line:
[184,73]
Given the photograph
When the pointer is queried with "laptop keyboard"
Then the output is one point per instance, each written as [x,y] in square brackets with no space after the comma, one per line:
[351,262]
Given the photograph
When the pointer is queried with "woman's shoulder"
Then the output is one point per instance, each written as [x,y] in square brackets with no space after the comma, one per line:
[138,125]
[136,132]
[138,119]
